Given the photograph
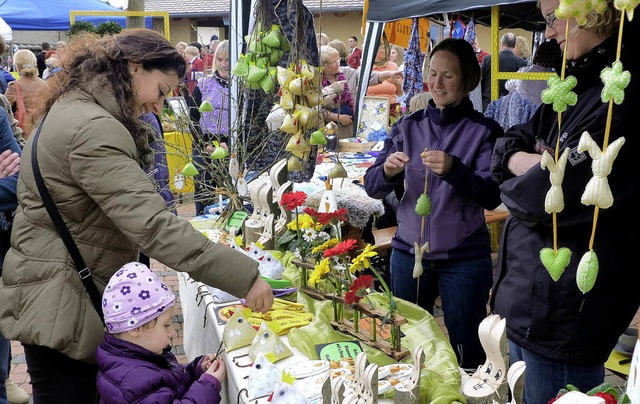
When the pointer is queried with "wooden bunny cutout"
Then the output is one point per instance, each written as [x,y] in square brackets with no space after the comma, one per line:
[408,391]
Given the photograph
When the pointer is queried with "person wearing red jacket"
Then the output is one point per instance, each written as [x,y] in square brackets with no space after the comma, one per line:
[355,54]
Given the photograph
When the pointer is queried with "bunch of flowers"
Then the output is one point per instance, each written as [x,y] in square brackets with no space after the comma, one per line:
[304,233]
[605,391]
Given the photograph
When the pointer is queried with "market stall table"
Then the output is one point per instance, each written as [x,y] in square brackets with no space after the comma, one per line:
[202,335]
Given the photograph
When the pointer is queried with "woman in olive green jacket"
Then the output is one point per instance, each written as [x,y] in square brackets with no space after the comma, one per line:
[90,152]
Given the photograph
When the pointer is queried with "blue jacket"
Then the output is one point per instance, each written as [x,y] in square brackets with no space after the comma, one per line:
[456,227]
[8,197]
[131,374]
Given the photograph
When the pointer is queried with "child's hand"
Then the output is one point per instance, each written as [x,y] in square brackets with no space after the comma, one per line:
[206,362]
[218,369]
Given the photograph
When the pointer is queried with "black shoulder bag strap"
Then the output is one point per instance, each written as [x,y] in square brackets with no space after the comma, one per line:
[81,267]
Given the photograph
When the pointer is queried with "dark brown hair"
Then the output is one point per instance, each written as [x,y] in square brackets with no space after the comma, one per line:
[106,61]
[469,67]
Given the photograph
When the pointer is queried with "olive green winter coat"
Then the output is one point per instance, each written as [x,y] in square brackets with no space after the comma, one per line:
[90,166]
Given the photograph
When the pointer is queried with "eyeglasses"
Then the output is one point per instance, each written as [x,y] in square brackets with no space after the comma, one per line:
[550,19]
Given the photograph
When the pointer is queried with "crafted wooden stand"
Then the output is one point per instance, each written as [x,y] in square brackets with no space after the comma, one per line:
[395,351]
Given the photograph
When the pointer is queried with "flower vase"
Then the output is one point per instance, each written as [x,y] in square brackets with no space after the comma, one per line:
[303,276]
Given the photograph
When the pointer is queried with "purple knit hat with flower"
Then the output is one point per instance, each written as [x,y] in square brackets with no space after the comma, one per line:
[133,297]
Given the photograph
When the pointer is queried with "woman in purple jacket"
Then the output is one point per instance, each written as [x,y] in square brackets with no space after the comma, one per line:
[451,144]
[135,360]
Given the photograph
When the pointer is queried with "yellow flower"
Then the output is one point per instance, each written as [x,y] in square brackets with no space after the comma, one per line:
[304,222]
[362,261]
[327,244]
[320,270]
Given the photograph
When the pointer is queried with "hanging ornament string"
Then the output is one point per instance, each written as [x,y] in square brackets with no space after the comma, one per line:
[607,130]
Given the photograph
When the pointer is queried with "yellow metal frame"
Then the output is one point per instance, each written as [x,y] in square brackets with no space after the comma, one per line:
[164,14]
[495,50]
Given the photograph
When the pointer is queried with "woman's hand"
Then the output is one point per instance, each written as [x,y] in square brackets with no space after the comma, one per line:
[438,161]
[389,74]
[218,369]
[9,163]
[520,162]
[395,163]
[344,120]
[260,296]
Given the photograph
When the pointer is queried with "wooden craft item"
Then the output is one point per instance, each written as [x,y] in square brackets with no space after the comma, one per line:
[515,380]
[364,388]
[485,384]
[408,390]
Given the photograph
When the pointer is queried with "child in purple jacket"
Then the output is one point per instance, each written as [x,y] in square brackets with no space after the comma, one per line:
[134,360]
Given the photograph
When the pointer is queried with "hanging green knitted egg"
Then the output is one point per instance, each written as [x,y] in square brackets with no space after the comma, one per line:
[423,205]
[205,106]
[190,170]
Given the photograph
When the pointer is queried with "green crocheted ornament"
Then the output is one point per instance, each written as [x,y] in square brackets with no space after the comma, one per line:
[241,68]
[205,106]
[423,205]
[190,170]
[587,271]
[555,264]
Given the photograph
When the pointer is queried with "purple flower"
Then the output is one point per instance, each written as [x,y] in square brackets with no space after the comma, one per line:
[132,275]
[104,302]
[164,287]
[119,273]
[136,310]
[144,294]
[125,290]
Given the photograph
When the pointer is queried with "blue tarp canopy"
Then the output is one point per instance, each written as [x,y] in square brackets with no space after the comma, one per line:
[53,15]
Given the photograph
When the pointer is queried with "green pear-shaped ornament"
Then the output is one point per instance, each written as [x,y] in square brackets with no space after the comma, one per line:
[219,153]
[267,84]
[275,56]
[189,170]
[294,164]
[205,106]
[423,206]
[338,171]
[272,39]
[241,68]
[317,138]
[255,73]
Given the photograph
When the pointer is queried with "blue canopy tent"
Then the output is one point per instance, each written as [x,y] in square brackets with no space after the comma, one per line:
[53,15]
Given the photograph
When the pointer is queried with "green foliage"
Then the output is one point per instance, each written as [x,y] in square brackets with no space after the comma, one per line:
[108,28]
[80,27]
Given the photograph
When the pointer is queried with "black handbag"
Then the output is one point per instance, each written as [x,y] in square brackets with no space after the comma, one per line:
[83,271]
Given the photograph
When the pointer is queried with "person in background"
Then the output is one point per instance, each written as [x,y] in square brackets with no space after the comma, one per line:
[5,76]
[50,54]
[26,91]
[180,47]
[450,144]
[342,114]
[480,53]
[522,49]
[53,67]
[355,53]
[391,88]
[548,58]
[213,44]
[508,62]
[41,58]
[396,55]
[134,360]
[322,39]
[209,126]
[195,67]
[564,335]
[9,168]
[91,149]
[342,51]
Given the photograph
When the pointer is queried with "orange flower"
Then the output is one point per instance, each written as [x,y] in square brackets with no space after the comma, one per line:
[358,289]
[291,200]
[342,248]
[329,217]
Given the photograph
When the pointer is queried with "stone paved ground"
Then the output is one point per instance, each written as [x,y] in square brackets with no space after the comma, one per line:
[19,368]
